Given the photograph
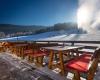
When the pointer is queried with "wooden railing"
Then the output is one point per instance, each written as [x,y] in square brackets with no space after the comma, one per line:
[63,42]
[72,42]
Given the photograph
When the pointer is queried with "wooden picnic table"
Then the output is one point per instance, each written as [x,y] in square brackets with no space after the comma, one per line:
[59,50]
[86,63]
[87,50]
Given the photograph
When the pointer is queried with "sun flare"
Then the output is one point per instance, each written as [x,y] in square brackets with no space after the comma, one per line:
[82,16]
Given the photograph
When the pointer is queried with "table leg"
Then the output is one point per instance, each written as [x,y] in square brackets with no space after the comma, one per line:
[20,49]
[77,53]
[50,59]
[61,62]
[40,60]
[22,53]
[69,55]
[76,76]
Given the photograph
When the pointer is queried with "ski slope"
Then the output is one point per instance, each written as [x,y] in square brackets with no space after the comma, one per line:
[57,36]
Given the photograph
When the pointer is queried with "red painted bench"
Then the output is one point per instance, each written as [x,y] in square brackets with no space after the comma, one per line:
[35,54]
[86,63]
[80,63]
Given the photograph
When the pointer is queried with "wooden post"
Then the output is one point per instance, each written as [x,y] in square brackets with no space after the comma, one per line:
[76,76]
[50,59]
[61,62]
[41,60]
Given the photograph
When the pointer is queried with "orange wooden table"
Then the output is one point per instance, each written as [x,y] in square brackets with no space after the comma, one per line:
[59,50]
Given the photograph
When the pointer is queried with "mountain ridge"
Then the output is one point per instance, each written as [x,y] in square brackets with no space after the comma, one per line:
[11,28]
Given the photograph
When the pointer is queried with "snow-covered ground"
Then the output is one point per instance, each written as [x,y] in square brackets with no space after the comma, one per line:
[58,35]
[36,37]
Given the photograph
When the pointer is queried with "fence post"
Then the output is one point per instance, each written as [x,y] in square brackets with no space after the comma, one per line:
[72,44]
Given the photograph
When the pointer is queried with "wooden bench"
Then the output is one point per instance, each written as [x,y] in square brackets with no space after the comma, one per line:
[86,63]
[37,55]
[35,52]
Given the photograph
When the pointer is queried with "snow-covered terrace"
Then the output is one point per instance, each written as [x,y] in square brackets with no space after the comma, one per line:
[15,68]
[50,37]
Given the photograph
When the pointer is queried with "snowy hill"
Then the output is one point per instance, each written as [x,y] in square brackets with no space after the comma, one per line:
[36,37]
[58,35]
[76,37]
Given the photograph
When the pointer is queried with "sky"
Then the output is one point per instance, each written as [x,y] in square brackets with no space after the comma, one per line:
[37,12]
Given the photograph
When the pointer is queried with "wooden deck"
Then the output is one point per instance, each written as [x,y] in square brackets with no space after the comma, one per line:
[13,68]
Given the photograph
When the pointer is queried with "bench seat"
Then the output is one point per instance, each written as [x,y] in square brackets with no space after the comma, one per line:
[81,63]
[35,54]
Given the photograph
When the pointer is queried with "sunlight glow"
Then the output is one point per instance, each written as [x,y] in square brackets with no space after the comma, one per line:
[82,16]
